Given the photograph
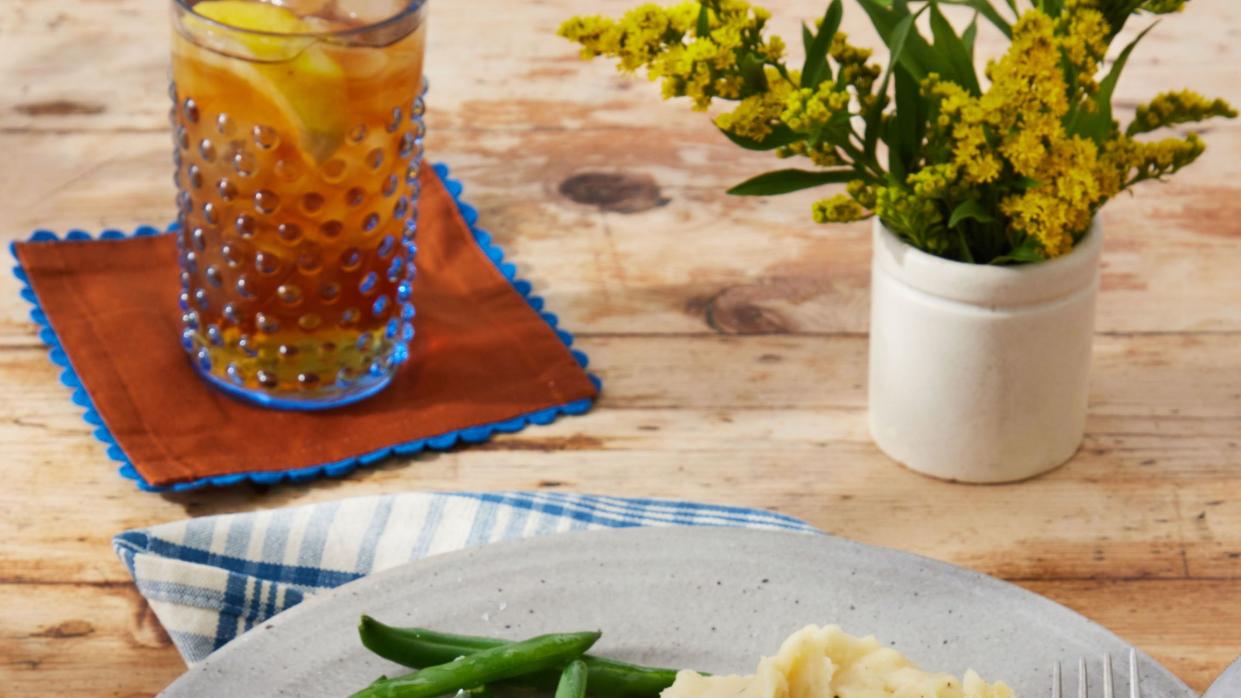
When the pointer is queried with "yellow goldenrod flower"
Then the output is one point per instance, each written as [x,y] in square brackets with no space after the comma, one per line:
[862,193]
[774,49]
[753,117]
[916,220]
[1033,150]
[1177,107]
[966,120]
[1161,158]
[597,35]
[823,154]
[729,86]
[1027,80]
[838,209]
[845,53]
[933,182]
[1085,43]
[1059,208]
[808,111]
[1017,126]
[854,69]
[666,41]
[697,87]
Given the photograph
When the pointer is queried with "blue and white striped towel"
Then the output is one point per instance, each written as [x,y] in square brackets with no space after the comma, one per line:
[210,579]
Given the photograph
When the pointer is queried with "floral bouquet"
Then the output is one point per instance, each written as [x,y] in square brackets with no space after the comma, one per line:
[1006,170]
[986,188]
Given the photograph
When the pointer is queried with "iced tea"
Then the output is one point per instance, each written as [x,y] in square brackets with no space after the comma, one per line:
[298,143]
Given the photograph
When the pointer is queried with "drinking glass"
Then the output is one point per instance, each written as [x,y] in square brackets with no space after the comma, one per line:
[298,131]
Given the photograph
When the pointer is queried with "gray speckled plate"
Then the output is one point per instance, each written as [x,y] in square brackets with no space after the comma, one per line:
[706,598]
[1228,685]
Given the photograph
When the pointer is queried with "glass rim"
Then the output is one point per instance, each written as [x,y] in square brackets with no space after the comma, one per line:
[412,7]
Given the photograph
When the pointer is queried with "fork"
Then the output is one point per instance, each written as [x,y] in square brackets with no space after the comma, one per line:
[1108,687]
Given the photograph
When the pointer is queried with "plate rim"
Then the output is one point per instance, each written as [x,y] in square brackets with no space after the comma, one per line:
[1230,677]
[242,642]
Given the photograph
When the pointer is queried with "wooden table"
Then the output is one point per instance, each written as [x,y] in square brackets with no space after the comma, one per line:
[730,333]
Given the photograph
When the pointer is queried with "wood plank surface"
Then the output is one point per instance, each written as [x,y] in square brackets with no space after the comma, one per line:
[730,334]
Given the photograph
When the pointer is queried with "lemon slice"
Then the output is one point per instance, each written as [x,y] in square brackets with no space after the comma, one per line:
[303,82]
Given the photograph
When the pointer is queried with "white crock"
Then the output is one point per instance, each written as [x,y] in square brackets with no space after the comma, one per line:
[980,373]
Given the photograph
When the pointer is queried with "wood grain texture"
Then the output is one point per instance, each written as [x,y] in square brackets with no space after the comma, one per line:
[730,334]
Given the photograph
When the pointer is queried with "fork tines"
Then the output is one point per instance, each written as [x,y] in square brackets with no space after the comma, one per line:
[1083,682]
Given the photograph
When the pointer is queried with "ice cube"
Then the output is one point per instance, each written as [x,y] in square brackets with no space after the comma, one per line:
[321,25]
[369,11]
[358,62]
[303,8]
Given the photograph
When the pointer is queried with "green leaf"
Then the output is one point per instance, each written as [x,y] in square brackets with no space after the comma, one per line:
[900,37]
[966,253]
[908,124]
[969,209]
[985,8]
[970,35]
[831,19]
[752,69]
[896,163]
[815,70]
[780,135]
[1117,12]
[1029,251]
[915,53]
[785,181]
[835,131]
[704,21]
[807,38]
[1097,125]
[1012,5]
[948,44]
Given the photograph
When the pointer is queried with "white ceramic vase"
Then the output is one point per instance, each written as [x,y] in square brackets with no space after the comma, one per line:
[980,373]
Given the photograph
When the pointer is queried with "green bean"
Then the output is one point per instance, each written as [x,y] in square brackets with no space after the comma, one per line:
[484,667]
[418,647]
[572,680]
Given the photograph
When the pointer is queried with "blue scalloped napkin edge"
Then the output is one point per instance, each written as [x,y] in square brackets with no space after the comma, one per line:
[340,468]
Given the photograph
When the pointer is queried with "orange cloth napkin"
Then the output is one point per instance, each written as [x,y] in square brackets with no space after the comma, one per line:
[483,360]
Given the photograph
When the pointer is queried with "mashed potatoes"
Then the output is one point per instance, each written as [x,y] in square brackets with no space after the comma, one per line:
[826,662]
